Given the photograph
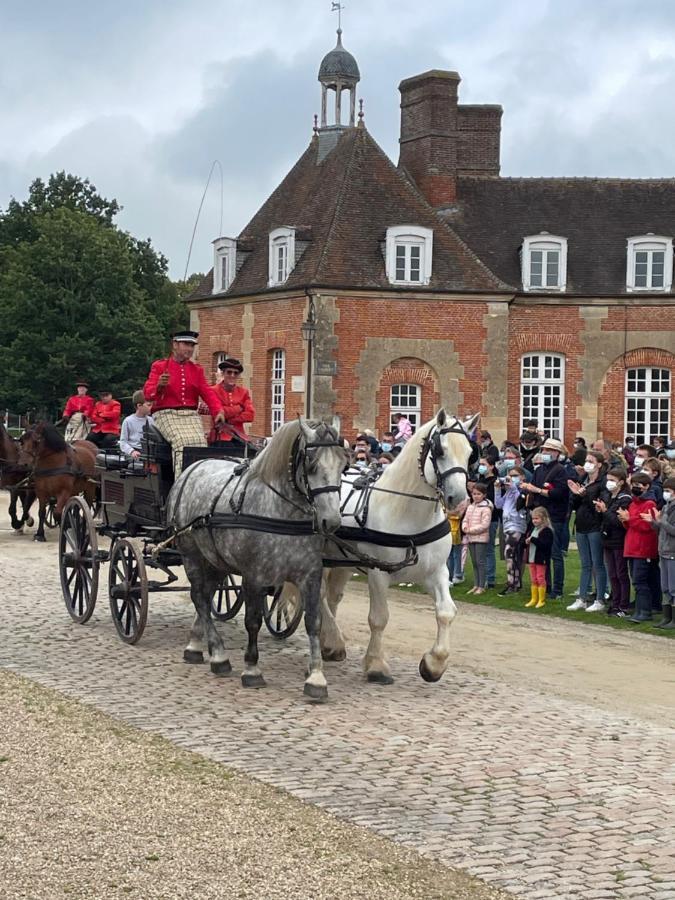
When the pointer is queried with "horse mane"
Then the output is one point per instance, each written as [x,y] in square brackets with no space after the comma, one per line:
[51,438]
[272,464]
[8,448]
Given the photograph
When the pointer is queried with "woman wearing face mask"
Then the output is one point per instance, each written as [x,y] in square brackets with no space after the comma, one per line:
[617,496]
[487,475]
[664,524]
[641,550]
[511,501]
[588,525]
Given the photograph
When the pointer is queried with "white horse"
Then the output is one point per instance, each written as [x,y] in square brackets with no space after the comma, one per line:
[406,501]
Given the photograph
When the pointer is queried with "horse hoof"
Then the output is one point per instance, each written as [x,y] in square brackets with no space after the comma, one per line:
[379,678]
[30,521]
[252,681]
[40,538]
[221,668]
[426,674]
[334,655]
[317,693]
[193,656]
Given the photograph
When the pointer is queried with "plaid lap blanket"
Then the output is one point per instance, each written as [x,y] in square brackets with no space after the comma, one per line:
[181,428]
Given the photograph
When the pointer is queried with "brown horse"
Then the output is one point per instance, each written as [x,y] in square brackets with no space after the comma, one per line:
[57,469]
[13,478]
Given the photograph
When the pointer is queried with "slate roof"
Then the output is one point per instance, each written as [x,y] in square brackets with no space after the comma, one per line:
[343,204]
[339,63]
[596,215]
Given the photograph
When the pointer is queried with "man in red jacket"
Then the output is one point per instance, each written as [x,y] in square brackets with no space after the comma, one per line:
[175,387]
[77,414]
[641,550]
[106,419]
[236,401]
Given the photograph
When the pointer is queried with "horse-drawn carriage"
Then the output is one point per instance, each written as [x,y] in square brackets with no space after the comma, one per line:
[133,496]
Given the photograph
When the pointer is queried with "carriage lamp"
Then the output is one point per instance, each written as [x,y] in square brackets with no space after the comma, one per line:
[308,327]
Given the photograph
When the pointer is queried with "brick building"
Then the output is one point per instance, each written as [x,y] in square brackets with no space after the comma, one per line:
[438,282]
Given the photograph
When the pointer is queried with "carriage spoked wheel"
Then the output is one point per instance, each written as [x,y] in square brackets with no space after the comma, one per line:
[128,590]
[50,519]
[79,560]
[283,614]
[227,600]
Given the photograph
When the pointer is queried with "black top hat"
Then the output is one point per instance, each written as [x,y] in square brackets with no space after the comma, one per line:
[231,363]
[187,337]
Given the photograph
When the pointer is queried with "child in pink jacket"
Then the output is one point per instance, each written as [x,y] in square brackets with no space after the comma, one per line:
[476,527]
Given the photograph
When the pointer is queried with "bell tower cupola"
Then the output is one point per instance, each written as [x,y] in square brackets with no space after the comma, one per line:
[338,72]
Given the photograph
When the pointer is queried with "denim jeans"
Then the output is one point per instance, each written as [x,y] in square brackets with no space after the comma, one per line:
[592,563]
[561,533]
[455,567]
[490,558]
[646,580]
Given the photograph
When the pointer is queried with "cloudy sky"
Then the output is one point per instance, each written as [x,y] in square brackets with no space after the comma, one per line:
[141,96]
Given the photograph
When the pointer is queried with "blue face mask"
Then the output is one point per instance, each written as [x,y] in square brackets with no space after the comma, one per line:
[515,480]
[509,463]
[546,457]
[386,447]
[482,470]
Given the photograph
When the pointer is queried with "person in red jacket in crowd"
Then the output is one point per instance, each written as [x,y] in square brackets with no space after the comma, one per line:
[641,550]
[175,386]
[236,400]
[78,412]
[106,419]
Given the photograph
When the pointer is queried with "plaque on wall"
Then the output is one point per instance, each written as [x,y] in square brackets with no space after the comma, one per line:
[326,367]
[298,384]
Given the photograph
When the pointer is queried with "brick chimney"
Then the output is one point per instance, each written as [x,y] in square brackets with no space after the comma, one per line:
[441,140]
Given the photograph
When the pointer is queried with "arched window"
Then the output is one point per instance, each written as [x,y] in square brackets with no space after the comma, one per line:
[649,266]
[278,392]
[647,402]
[542,391]
[281,255]
[544,262]
[224,263]
[409,251]
[407,400]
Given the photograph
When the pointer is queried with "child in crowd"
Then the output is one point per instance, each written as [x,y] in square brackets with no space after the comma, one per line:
[459,548]
[641,549]
[664,523]
[617,496]
[539,544]
[511,501]
[476,527]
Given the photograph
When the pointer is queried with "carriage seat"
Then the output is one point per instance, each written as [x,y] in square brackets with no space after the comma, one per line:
[154,446]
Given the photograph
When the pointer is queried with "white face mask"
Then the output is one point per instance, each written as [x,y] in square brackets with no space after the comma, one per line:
[611,485]
[670,454]
[667,496]
[589,466]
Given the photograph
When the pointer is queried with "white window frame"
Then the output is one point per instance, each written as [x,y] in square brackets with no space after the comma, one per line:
[656,404]
[281,241]
[544,387]
[412,411]
[278,389]
[407,237]
[545,243]
[224,263]
[649,243]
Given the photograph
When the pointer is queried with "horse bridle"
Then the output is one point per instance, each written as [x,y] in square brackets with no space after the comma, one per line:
[432,449]
[299,468]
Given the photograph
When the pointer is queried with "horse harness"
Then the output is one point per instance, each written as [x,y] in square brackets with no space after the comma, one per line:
[432,449]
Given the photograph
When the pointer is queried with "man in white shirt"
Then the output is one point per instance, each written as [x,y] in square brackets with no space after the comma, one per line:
[133,425]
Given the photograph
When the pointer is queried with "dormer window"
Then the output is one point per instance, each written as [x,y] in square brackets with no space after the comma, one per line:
[544,262]
[224,263]
[649,266]
[409,250]
[281,255]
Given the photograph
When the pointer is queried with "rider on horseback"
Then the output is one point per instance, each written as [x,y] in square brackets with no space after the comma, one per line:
[78,412]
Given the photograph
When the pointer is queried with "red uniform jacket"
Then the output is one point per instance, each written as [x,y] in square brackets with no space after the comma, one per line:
[641,539]
[106,417]
[238,408]
[84,405]
[187,383]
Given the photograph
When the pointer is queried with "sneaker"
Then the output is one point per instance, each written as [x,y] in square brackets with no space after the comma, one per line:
[597,606]
[578,604]
[457,580]
[507,590]
[575,593]
[617,613]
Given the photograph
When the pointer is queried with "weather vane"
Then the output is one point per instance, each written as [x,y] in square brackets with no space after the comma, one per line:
[337,7]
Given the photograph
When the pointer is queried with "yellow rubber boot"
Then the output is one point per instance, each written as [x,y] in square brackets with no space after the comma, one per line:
[542,596]
[534,596]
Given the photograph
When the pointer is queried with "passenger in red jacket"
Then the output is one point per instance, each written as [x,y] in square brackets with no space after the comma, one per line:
[641,550]
[106,419]
[237,404]
[77,414]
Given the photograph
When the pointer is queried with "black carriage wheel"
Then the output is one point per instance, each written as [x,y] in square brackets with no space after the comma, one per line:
[227,600]
[50,520]
[79,561]
[128,591]
[282,616]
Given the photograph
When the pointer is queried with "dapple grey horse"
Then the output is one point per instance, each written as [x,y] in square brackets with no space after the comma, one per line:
[266,522]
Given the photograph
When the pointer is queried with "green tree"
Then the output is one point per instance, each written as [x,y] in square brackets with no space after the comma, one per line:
[78,297]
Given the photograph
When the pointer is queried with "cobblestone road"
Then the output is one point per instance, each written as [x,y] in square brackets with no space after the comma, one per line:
[542,797]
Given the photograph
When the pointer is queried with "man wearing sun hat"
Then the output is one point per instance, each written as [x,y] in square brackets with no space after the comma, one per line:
[236,402]
[549,489]
[174,387]
[78,412]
